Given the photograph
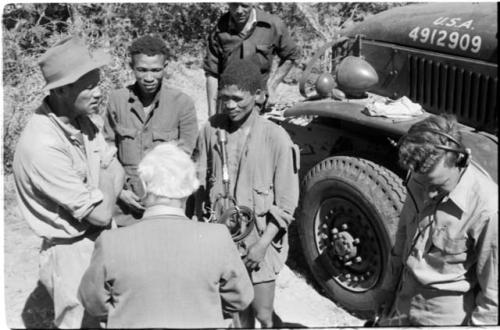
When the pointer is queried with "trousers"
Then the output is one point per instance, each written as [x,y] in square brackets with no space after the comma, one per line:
[61,269]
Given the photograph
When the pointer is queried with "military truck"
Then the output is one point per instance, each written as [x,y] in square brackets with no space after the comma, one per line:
[442,56]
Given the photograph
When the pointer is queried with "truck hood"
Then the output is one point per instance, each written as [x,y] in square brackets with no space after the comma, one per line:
[462,29]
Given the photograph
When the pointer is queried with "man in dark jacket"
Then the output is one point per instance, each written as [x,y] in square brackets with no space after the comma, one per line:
[444,263]
[242,32]
[144,114]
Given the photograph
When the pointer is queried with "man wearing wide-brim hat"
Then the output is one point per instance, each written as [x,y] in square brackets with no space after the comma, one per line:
[67,178]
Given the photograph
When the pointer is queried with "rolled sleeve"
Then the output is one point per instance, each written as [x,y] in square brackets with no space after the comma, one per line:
[287,48]
[486,311]
[55,177]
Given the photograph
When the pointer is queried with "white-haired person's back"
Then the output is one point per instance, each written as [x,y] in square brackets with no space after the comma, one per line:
[166,271]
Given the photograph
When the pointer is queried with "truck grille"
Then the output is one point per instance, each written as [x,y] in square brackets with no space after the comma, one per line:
[440,87]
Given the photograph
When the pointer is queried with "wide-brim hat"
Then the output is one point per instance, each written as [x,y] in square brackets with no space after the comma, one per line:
[68,60]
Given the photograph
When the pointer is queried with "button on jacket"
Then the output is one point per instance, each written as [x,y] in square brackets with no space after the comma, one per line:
[172,118]
[455,254]
[269,36]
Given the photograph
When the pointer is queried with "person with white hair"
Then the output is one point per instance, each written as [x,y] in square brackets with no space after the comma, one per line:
[166,271]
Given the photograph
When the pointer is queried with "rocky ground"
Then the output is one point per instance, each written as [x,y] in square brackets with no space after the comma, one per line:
[298,302]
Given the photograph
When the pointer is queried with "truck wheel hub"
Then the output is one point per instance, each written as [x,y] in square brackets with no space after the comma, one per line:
[343,245]
[347,237]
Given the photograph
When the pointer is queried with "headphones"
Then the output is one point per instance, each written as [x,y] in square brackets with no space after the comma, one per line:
[464,154]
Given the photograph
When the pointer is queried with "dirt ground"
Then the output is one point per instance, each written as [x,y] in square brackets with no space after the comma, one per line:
[298,302]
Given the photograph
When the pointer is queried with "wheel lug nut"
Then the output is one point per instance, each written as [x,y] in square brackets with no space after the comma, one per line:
[356,241]
[358,259]
[331,212]
[324,226]
[368,274]
[347,263]
[355,279]
[344,226]
[348,276]
[335,230]
[323,236]
[361,278]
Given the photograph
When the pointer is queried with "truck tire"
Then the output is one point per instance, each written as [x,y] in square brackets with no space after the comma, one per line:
[347,221]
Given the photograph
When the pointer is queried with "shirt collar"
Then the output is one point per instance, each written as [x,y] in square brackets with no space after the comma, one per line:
[252,20]
[249,25]
[459,195]
[134,96]
[71,132]
[163,210]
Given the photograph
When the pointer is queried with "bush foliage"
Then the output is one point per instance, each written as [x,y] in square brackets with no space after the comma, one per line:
[29,29]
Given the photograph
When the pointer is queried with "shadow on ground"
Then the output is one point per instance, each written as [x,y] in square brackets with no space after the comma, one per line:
[38,312]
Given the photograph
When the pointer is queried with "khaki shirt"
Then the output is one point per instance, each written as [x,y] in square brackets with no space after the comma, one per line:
[452,245]
[56,171]
[264,179]
[126,124]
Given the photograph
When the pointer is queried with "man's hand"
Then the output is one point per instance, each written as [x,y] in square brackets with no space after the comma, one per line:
[255,255]
[132,200]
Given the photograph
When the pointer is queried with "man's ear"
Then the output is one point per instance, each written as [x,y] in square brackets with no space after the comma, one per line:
[260,96]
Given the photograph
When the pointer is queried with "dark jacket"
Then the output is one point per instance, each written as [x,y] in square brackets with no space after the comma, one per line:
[269,37]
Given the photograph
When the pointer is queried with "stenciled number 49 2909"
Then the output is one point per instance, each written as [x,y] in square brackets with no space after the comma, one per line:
[447,39]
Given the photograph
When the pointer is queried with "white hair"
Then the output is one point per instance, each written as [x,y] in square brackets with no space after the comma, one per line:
[167,171]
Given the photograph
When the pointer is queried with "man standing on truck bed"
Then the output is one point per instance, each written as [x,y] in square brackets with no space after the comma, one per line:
[242,32]
[447,240]
[143,115]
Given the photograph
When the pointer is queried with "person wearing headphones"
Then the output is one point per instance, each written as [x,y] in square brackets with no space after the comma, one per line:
[444,264]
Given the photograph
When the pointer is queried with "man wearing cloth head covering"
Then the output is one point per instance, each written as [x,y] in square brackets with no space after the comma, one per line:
[261,165]
[445,256]
[242,32]
[67,178]
[166,271]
